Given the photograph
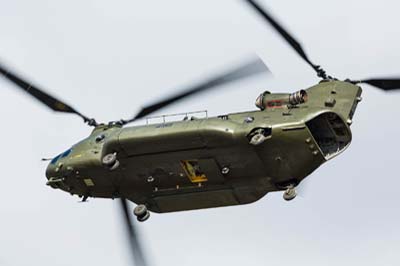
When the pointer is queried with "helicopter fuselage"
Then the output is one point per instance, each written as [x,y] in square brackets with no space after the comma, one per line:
[210,162]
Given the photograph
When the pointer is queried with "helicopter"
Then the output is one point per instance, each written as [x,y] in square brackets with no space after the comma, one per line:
[226,160]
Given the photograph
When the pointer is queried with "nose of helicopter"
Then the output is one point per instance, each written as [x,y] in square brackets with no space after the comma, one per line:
[50,170]
[51,174]
[54,170]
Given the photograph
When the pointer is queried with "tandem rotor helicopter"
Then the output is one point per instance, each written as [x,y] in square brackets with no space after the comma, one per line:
[205,162]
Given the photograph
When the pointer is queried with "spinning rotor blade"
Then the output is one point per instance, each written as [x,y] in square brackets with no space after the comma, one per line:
[133,239]
[249,69]
[384,84]
[291,41]
[43,97]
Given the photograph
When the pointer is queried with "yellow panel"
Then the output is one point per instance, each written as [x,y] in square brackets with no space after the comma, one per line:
[193,171]
[88,182]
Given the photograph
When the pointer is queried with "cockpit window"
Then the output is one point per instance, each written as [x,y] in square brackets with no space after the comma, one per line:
[66,153]
[62,155]
[55,159]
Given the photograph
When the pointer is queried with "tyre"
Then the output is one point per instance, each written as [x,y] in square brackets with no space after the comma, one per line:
[109,159]
[140,210]
[141,213]
[144,217]
[115,166]
[289,194]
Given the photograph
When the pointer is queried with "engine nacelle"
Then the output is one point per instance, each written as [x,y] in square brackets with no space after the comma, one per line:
[278,100]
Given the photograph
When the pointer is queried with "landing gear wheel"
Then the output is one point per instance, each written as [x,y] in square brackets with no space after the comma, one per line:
[290,193]
[141,213]
[115,166]
[110,161]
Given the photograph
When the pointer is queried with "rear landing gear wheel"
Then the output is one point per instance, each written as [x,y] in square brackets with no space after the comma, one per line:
[290,193]
[141,213]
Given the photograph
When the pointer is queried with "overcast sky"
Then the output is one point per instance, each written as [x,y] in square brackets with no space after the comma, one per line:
[107,58]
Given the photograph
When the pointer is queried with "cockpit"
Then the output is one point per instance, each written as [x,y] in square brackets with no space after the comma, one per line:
[61,155]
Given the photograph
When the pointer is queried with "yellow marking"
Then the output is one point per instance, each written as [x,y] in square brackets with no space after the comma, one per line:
[88,182]
[77,156]
[193,171]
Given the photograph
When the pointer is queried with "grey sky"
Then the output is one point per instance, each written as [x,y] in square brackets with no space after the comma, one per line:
[107,58]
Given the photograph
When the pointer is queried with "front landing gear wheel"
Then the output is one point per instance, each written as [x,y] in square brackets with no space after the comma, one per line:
[290,193]
[110,161]
[141,213]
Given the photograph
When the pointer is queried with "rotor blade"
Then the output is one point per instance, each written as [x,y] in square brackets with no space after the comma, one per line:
[251,68]
[292,42]
[40,95]
[384,84]
[133,238]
